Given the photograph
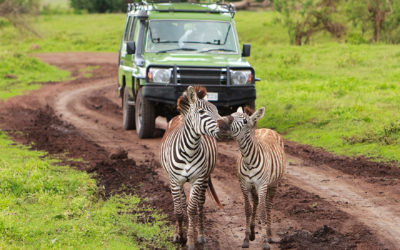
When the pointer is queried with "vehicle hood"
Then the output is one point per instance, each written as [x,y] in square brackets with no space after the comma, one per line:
[186,59]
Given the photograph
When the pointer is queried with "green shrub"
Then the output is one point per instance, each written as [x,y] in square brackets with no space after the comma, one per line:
[100,6]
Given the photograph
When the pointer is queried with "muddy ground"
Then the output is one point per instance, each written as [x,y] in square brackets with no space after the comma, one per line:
[324,202]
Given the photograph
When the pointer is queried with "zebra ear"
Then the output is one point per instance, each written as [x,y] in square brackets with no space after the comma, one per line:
[257,115]
[191,94]
[240,110]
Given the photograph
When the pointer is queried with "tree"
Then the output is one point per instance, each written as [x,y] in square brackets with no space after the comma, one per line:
[378,15]
[100,6]
[392,25]
[304,18]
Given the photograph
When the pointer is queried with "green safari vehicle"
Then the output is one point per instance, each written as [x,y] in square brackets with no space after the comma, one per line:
[166,47]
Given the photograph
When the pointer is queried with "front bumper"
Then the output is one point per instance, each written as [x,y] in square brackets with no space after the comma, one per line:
[228,96]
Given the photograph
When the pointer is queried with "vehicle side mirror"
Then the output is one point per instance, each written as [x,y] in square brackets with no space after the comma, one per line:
[130,48]
[246,50]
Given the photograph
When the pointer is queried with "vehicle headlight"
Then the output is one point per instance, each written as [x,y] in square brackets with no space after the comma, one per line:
[241,76]
[159,75]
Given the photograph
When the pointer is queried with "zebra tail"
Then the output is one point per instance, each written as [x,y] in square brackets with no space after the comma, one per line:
[214,194]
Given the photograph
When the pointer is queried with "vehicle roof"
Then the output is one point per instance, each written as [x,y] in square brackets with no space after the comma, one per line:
[187,11]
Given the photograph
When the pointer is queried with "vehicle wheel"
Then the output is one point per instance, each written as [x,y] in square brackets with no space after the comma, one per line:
[144,116]
[128,112]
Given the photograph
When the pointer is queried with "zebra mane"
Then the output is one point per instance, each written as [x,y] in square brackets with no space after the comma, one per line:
[183,101]
[249,111]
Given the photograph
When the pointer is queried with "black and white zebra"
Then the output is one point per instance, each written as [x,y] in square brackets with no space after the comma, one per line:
[188,154]
[261,165]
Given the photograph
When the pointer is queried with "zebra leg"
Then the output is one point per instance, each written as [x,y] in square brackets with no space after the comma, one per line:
[262,195]
[184,217]
[253,215]
[202,199]
[191,212]
[183,204]
[176,191]
[247,208]
[270,196]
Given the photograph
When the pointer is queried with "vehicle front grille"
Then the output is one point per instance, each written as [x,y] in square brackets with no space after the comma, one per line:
[203,76]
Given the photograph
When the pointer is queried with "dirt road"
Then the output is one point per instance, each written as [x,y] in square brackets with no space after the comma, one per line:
[324,202]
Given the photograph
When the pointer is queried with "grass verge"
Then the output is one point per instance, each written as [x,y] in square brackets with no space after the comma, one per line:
[20,73]
[47,206]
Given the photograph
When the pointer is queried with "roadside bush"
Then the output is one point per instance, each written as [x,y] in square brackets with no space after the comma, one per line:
[100,6]
[49,9]
[14,12]
[355,38]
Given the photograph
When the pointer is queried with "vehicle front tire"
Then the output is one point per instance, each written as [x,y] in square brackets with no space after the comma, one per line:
[128,112]
[144,116]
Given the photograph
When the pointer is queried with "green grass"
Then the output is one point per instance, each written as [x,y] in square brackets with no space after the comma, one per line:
[342,97]
[20,73]
[56,3]
[45,206]
[345,99]
[68,32]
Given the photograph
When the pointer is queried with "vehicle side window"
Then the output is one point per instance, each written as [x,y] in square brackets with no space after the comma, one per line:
[132,31]
[127,29]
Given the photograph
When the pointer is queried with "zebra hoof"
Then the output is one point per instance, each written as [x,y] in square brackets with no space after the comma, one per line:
[178,239]
[201,240]
[252,233]
[191,247]
[245,244]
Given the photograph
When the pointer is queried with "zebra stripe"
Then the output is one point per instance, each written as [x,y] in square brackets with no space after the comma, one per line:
[261,165]
[188,154]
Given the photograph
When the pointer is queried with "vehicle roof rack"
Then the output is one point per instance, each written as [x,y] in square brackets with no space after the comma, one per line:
[222,7]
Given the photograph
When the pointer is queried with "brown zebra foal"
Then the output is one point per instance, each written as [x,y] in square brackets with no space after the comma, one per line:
[260,167]
[188,154]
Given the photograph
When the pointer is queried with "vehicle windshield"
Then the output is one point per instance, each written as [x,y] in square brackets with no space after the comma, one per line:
[188,36]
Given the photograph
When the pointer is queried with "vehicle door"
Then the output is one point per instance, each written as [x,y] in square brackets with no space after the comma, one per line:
[127,60]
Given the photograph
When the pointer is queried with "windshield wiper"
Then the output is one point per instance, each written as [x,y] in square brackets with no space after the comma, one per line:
[158,40]
[168,50]
[216,49]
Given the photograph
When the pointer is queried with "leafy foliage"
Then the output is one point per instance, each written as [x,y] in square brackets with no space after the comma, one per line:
[376,15]
[304,18]
[13,11]
[100,6]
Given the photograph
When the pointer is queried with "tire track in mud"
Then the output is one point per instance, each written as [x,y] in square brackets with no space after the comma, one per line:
[317,207]
[356,198]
